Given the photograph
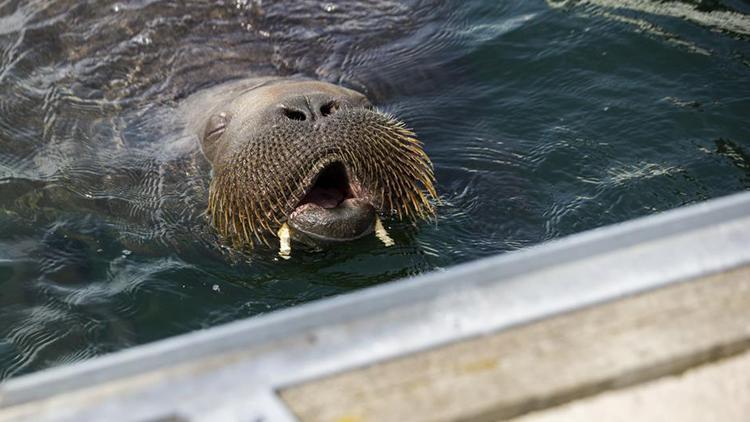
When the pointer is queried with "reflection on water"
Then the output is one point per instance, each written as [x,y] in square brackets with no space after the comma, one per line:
[542,118]
[715,14]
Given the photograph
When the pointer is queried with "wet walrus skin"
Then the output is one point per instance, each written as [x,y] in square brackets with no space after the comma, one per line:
[309,154]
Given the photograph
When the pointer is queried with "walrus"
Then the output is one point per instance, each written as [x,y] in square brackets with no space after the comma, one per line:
[307,160]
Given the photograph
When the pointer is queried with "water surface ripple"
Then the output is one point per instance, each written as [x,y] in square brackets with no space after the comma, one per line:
[543,118]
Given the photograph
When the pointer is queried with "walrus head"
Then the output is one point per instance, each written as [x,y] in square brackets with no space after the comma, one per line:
[312,155]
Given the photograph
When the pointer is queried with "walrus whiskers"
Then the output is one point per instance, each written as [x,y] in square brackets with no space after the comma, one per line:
[379,153]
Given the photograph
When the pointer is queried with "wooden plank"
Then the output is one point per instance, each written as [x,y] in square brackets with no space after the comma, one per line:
[546,363]
[717,391]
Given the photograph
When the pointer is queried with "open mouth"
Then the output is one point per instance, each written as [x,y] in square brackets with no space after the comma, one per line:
[332,210]
[331,188]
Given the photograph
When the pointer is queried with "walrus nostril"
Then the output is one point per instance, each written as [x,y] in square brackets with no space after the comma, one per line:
[329,108]
[294,114]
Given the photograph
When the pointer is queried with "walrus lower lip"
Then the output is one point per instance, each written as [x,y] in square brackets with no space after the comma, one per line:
[351,219]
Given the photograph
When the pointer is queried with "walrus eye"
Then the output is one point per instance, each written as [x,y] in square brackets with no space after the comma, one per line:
[216,126]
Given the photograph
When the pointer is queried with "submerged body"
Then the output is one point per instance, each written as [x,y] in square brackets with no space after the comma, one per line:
[308,160]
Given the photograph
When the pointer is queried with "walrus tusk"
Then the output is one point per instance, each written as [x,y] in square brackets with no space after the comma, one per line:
[285,247]
[382,234]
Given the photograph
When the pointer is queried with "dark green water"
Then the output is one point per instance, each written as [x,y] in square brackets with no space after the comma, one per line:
[542,118]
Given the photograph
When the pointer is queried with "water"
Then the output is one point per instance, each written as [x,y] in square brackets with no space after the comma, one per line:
[542,118]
